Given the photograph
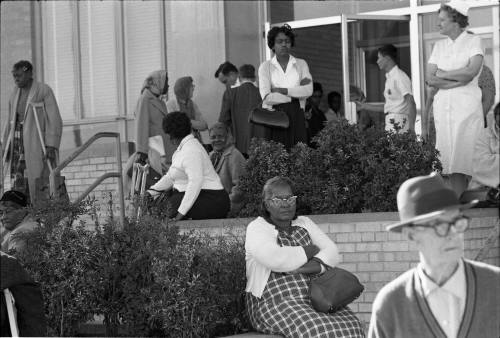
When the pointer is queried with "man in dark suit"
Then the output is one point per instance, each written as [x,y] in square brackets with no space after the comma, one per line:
[237,104]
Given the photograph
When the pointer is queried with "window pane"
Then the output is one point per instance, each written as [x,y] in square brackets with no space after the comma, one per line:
[98,58]
[142,46]
[59,54]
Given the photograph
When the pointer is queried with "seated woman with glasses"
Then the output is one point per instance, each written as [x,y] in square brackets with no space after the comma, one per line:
[283,252]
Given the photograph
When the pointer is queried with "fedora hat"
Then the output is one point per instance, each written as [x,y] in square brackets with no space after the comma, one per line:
[424,198]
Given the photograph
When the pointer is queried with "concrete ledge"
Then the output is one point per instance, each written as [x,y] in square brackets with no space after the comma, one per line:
[374,255]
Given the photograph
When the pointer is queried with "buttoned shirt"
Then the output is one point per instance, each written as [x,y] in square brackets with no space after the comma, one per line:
[397,85]
[191,171]
[272,75]
[447,302]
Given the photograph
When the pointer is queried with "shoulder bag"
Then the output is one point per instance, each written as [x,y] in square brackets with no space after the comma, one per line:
[267,117]
[334,289]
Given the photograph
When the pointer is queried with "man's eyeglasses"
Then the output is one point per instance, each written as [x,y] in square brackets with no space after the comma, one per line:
[283,200]
[442,229]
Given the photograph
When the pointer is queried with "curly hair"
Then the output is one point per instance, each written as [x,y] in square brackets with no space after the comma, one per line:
[276,181]
[285,29]
[462,20]
[177,124]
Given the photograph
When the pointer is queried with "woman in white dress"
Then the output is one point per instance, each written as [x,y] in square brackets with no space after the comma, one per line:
[453,69]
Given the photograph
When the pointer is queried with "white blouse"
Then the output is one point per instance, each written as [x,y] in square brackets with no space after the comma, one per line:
[272,75]
[263,254]
[191,171]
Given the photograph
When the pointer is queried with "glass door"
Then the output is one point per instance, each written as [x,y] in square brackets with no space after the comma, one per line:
[362,35]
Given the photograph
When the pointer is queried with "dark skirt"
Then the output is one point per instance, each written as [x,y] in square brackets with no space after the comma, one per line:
[210,204]
[297,130]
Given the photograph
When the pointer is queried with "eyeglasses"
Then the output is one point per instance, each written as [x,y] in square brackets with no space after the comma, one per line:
[277,201]
[442,229]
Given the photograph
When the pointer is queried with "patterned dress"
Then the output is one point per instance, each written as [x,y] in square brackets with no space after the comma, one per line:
[285,307]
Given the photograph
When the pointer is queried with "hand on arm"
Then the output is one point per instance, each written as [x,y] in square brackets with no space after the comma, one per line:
[464,74]
[51,155]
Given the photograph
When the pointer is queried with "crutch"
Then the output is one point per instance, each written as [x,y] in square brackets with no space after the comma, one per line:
[12,312]
[40,105]
[139,176]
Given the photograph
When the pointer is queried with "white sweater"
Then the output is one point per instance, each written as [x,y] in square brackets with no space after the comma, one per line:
[263,254]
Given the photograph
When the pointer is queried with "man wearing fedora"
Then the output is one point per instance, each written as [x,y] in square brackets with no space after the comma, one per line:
[14,220]
[445,295]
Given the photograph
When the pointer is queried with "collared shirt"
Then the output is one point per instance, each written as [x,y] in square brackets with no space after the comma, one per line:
[236,84]
[272,75]
[397,85]
[191,171]
[332,115]
[447,302]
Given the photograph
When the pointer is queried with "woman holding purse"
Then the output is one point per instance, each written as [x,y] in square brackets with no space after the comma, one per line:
[285,83]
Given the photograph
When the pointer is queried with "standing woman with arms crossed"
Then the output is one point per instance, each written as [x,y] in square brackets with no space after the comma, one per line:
[453,69]
[285,83]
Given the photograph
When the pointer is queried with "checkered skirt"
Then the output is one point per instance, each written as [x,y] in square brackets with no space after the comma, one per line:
[285,307]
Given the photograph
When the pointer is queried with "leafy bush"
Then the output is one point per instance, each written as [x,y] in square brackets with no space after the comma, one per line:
[146,278]
[350,170]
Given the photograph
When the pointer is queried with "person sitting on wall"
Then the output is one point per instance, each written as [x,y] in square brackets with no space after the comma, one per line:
[334,105]
[15,221]
[315,117]
[28,300]
[197,191]
[283,253]
[229,164]
[445,295]
[485,182]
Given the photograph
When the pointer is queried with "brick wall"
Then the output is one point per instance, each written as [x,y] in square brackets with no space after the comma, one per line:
[374,255]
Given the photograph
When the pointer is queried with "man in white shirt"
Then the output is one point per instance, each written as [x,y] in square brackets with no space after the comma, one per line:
[399,107]
[445,295]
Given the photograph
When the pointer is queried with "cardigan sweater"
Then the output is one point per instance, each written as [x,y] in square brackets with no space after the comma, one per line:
[400,308]
[263,254]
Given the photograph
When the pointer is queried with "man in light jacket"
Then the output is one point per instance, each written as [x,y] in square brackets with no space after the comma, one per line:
[24,157]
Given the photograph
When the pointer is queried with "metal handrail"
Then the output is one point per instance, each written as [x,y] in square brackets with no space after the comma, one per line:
[118,174]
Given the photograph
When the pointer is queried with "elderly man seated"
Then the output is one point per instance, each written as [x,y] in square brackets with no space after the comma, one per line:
[445,295]
[486,163]
[229,164]
[15,220]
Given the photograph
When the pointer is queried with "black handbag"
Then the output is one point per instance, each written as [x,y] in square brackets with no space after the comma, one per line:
[334,289]
[269,118]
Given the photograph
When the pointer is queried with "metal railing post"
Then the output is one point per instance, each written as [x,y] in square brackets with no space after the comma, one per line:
[117,174]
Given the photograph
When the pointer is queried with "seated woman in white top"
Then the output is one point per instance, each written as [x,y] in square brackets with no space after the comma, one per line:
[486,159]
[283,252]
[197,192]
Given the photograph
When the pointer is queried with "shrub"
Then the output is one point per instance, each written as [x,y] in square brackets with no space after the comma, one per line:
[144,277]
[350,170]
[61,258]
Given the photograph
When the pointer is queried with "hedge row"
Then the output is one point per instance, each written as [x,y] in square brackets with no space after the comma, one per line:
[147,278]
[349,171]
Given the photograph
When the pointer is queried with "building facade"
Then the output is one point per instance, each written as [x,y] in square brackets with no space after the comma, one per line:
[96,54]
